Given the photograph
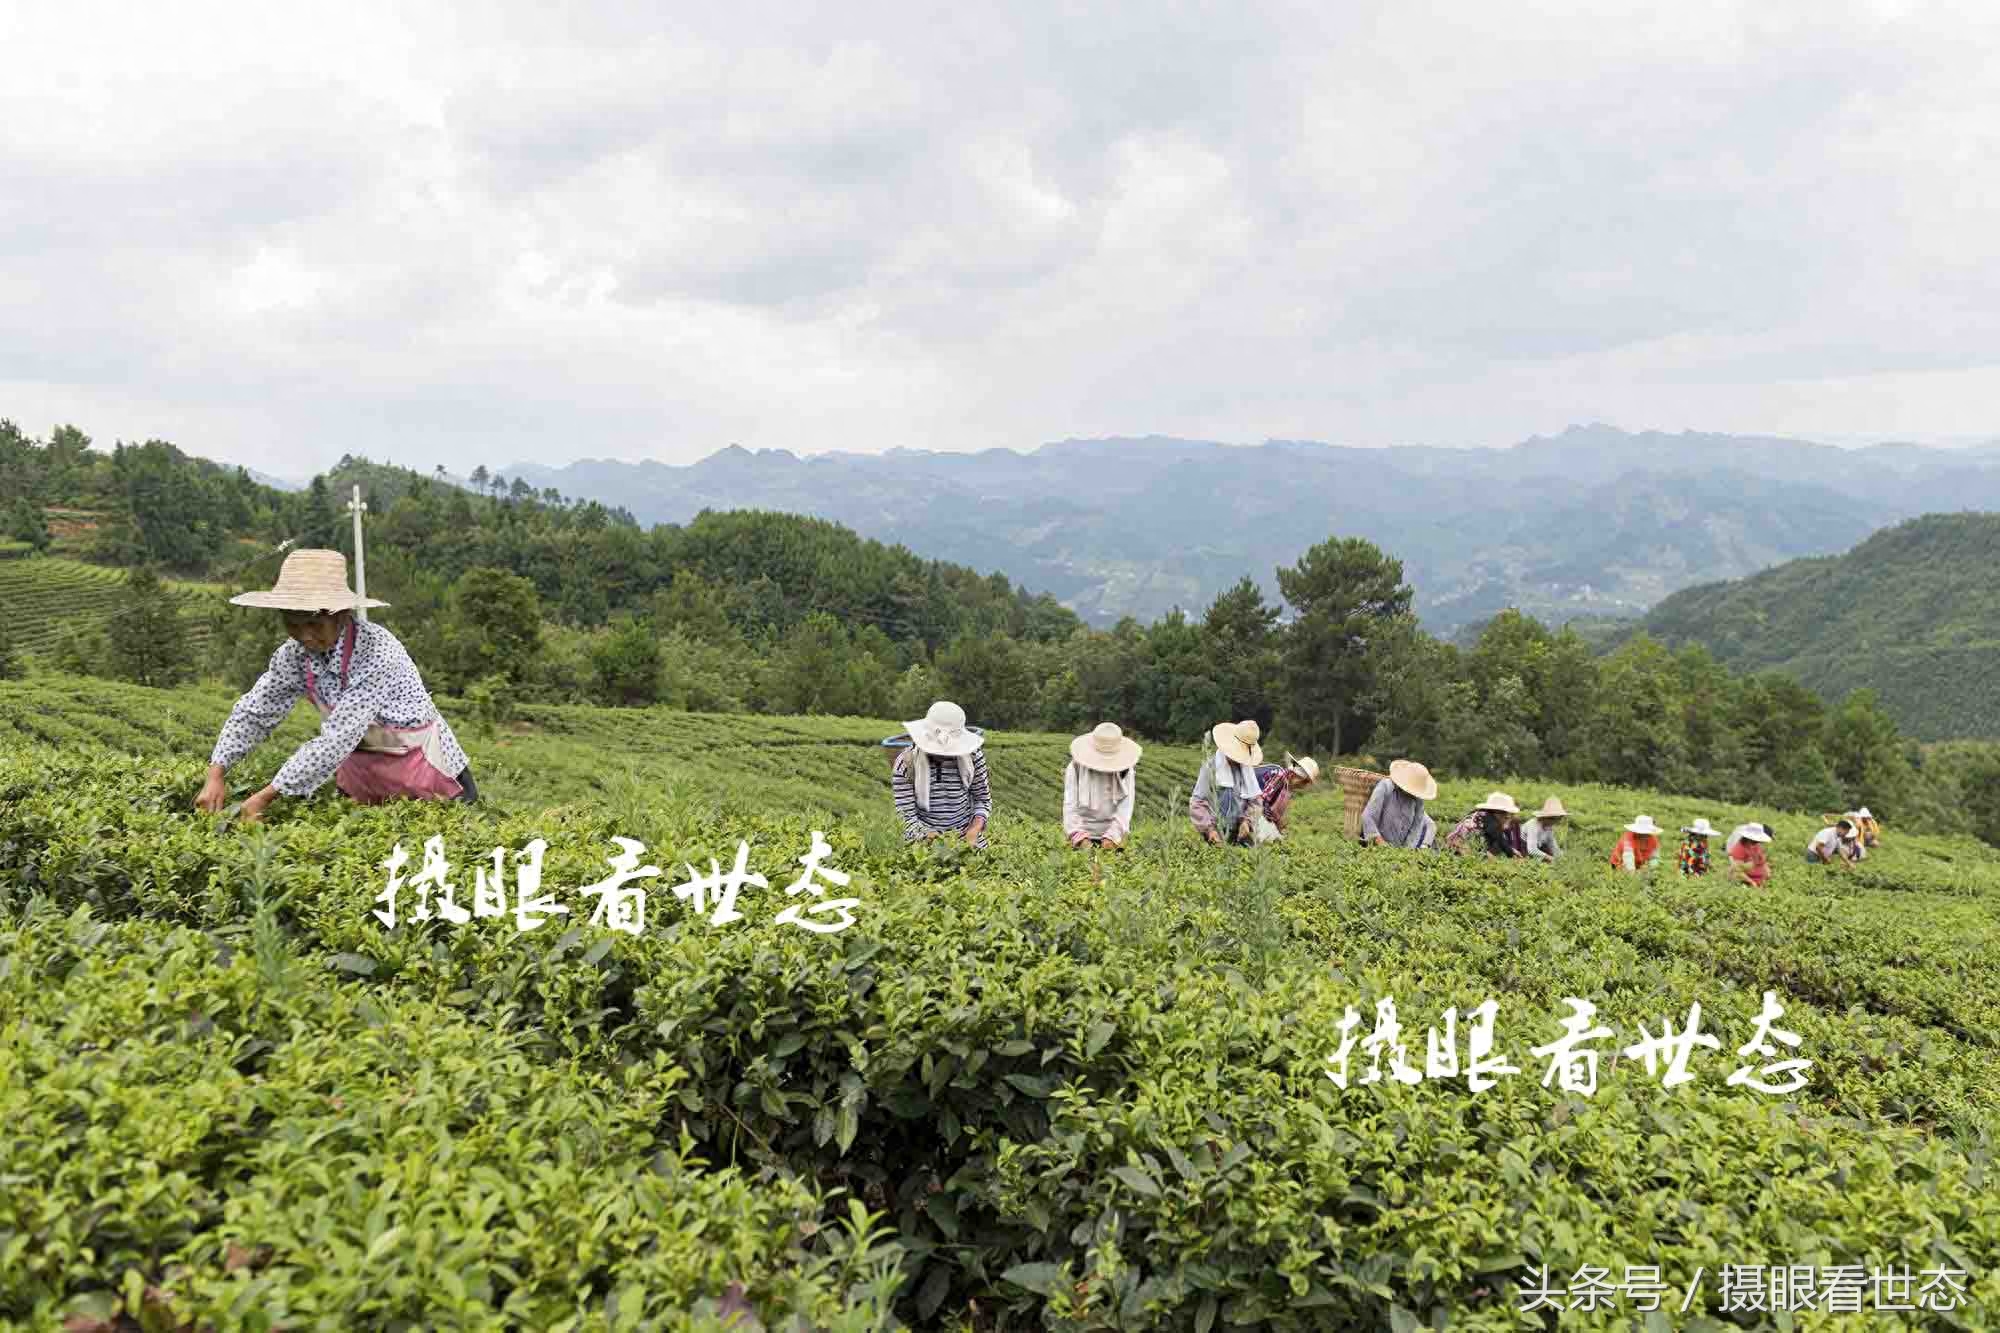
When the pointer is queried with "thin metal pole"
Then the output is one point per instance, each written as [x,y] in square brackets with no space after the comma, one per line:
[360,562]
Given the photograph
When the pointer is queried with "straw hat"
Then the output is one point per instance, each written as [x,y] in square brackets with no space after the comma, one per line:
[942,731]
[1755,833]
[1306,768]
[1701,829]
[1500,802]
[1644,825]
[1552,809]
[1413,779]
[1238,740]
[1863,812]
[309,581]
[1105,749]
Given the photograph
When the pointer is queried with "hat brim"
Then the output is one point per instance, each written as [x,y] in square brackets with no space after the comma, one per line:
[1653,832]
[1084,750]
[920,736]
[1755,837]
[1224,736]
[279,601]
[1404,776]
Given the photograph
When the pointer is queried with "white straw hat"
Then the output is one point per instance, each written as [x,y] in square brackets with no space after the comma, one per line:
[1751,833]
[1105,749]
[1863,812]
[1500,802]
[1644,825]
[1700,827]
[942,731]
[1552,809]
[1239,741]
[1306,767]
[1413,779]
[309,580]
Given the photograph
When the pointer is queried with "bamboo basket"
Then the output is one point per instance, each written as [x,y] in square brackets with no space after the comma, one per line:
[1356,786]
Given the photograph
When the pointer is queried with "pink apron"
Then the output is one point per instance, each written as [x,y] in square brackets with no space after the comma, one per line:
[390,761]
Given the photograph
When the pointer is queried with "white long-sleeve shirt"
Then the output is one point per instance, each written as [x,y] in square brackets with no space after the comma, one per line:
[1092,821]
[382,686]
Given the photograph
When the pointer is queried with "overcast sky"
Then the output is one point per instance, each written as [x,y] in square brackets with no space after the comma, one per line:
[494,233]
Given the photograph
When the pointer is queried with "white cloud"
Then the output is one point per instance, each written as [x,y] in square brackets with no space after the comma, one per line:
[503,231]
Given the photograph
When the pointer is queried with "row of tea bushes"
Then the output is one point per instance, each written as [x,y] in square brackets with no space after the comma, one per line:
[1095,1104]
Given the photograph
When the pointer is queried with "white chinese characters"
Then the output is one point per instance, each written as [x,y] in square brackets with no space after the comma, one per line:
[1572,1058]
[619,898]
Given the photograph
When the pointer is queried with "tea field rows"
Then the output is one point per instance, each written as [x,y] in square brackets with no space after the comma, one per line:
[42,594]
[1060,1097]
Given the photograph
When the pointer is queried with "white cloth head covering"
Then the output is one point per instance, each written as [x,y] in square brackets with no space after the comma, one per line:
[1100,792]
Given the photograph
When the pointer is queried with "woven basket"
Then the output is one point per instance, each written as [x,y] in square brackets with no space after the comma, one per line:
[1356,786]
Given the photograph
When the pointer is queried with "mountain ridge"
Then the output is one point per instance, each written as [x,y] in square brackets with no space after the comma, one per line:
[1590,521]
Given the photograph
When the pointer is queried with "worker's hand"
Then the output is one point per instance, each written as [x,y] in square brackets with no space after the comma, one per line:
[1213,837]
[214,794]
[254,806]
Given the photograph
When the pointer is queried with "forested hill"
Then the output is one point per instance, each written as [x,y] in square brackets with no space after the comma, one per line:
[588,563]
[1912,613]
[1593,521]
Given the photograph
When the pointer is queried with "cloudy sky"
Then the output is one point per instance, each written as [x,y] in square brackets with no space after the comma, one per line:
[490,233]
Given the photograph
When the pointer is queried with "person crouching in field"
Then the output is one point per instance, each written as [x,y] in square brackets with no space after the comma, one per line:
[1748,863]
[1098,787]
[380,735]
[1538,835]
[1226,799]
[1394,815]
[939,782]
[1838,845]
[1870,830]
[1638,846]
[1278,783]
[1493,828]
[1694,848]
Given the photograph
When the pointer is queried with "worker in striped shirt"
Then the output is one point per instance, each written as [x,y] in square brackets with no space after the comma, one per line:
[939,782]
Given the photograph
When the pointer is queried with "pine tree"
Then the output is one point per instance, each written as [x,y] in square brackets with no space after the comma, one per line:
[145,640]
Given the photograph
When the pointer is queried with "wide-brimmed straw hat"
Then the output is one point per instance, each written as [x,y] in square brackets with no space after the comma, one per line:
[1499,802]
[1413,779]
[309,581]
[942,731]
[1552,809]
[1239,741]
[1863,812]
[1105,748]
[1644,825]
[1306,768]
[1701,829]
[1754,833]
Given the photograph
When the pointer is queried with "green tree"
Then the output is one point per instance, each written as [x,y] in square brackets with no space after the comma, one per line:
[26,523]
[625,661]
[496,626]
[1346,593]
[1240,629]
[479,477]
[1866,753]
[989,677]
[145,639]
[1637,737]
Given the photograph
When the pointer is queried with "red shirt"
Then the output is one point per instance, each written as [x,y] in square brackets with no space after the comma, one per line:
[1644,846]
[1751,854]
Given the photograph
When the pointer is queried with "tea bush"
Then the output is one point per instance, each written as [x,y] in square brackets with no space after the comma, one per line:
[1080,1102]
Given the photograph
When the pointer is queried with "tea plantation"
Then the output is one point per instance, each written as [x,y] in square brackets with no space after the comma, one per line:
[1019,1092]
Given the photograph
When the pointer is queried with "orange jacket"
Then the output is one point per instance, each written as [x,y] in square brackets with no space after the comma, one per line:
[1644,847]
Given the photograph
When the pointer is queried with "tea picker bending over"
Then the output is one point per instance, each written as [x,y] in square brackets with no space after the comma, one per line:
[939,782]
[1394,815]
[1492,829]
[1278,783]
[1538,835]
[380,736]
[1226,800]
[1098,787]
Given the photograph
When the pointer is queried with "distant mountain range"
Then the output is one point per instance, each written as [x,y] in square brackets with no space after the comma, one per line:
[1592,522]
[1912,613]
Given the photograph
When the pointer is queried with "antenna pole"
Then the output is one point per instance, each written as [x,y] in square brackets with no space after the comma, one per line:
[358,506]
